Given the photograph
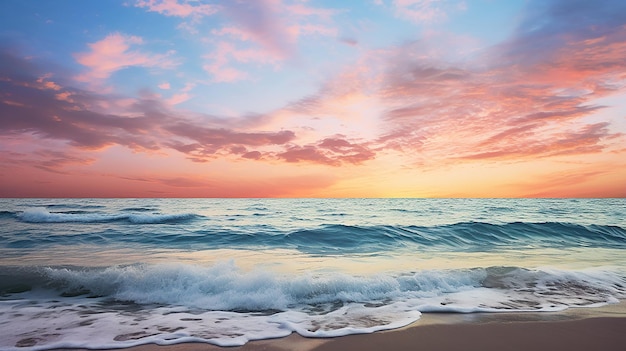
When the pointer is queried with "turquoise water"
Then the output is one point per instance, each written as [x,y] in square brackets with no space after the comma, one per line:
[123,272]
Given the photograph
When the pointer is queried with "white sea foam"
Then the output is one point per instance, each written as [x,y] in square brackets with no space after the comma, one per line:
[42,215]
[159,218]
[77,325]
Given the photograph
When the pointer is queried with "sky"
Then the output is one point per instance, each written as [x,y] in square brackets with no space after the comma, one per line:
[313,98]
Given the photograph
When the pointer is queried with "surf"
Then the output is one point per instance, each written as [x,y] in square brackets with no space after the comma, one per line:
[43,215]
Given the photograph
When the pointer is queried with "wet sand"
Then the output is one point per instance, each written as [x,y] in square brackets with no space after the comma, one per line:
[572,330]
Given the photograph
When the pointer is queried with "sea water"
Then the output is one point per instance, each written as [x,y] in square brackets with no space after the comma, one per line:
[111,273]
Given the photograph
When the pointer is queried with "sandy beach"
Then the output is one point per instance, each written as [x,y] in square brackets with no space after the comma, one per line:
[586,334]
[601,328]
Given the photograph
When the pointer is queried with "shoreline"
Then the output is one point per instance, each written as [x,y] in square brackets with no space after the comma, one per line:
[574,329]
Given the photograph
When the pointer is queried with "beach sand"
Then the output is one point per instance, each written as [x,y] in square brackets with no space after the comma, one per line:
[586,334]
[572,330]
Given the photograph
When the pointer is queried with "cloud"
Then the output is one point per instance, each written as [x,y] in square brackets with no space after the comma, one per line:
[567,37]
[301,9]
[349,41]
[586,140]
[329,151]
[262,32]
[234,186]
[114,53]
[175,8]
[190,11]
[424,11]
[181,97]
[252,155]
[53,161]
[346,151]
[29,106]
[573,184]
[535,95]
[181,182]
[260,20]
[206,142]
[65,113]
[220,66]
[295,154]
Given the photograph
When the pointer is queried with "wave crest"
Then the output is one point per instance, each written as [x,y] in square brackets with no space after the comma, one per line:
[42,215]
[225,287]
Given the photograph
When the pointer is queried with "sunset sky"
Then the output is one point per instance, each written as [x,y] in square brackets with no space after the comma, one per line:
[297,98]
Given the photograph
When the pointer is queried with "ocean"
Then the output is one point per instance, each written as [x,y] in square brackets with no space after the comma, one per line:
[114,273]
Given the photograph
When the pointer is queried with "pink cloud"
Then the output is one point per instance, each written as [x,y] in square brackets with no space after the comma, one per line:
[205,142]
[178,99]
[261,21]
[517,101]
[234,32]
[46,83]
[301,9]
[219,65]
[265,32]
[53,161]
[587,139]
[425,11]
[145,124]
[231,186]
[114,53]
[224,74]
[309,29]
[252,155]
[221,60]
[330,151]
[311,154]
[181,97]
[182,8]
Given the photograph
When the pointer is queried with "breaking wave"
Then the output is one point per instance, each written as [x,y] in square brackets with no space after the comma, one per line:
[42,215]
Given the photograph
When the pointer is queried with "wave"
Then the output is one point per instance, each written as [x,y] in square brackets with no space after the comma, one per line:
[469,236]
[226,287]
[227,306]
[6,214]
[42,215]
[139,209]
[67,206]
[461,237]
[335,239]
